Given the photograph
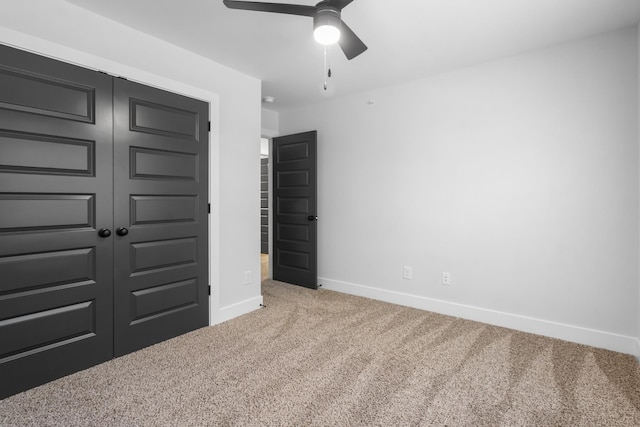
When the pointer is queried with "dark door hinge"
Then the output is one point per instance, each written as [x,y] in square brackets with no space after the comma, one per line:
[209,289]
[209,126]
[209,208]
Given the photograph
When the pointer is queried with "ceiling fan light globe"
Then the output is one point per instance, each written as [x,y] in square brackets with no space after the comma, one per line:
[326,34]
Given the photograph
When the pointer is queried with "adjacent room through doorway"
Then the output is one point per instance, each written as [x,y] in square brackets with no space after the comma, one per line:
[264,208]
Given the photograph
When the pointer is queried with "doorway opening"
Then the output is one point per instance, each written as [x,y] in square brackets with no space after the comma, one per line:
[264,209]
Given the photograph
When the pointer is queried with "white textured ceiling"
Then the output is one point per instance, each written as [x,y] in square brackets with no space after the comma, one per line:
[407,39]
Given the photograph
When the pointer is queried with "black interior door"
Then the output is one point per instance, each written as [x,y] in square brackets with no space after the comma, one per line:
[295,210]
[56,272]
[160,215]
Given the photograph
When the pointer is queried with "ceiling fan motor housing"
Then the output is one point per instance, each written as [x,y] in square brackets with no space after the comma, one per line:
[327,15]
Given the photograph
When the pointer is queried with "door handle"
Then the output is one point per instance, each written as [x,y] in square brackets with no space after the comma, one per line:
[312,218]
[122,231]
[104,232]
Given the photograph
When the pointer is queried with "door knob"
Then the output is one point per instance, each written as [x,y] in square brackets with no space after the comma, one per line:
[122,231]
[104,232]
[312,218]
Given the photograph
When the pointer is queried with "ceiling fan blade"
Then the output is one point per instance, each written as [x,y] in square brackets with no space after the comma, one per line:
[340,4]
[291,9]
[350,44]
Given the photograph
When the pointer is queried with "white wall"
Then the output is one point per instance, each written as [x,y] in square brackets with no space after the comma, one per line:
[64,31]
[270,123]
[519,176]
[638,335]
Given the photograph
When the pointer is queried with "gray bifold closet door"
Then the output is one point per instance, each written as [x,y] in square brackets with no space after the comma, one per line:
[103,218]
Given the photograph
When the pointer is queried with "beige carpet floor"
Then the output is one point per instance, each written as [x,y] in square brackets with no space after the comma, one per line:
[329,359]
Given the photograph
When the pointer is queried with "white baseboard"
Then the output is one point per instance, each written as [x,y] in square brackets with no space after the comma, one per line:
[238,309]
[577,334]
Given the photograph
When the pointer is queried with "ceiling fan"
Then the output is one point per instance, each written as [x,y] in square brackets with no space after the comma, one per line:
[328,26]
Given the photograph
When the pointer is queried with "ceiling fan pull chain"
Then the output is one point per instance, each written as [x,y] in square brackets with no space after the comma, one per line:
[329,62]
[325,68]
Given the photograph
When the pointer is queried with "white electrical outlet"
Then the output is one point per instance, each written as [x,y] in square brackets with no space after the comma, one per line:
[407,272]
[247,277]
[446,278]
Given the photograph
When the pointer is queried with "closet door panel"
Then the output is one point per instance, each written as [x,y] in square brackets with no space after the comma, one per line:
[56,272]
[160,198]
